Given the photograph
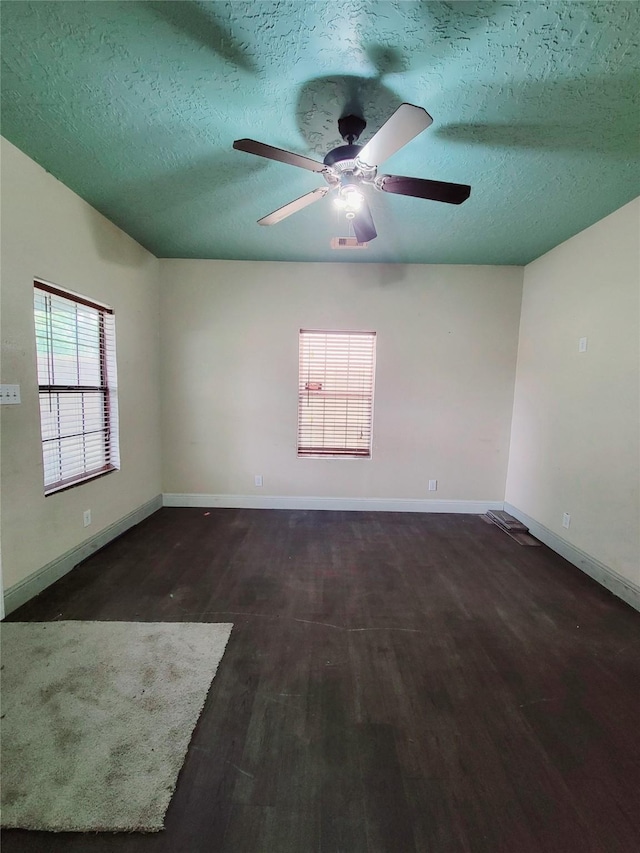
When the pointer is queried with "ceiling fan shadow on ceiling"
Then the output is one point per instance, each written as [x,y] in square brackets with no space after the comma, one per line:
[349,168]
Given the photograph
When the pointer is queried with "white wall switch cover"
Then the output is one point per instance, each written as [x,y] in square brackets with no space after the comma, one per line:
[582,345]
[566,520]
[9,394]
[258,479]
[433,485]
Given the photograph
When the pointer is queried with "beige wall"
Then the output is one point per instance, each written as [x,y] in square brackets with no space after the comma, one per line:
[575,441]
[446,351]
[49,232]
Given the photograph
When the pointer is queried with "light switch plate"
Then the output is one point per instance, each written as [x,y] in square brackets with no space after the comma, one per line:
[9,394]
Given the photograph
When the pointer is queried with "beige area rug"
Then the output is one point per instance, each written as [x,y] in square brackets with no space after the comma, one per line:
[97,718]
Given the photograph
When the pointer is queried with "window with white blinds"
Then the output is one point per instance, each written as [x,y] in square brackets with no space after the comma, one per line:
[76,358]
[335,393]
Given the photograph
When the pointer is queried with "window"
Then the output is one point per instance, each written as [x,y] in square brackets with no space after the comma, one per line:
[335,393]
[75,346]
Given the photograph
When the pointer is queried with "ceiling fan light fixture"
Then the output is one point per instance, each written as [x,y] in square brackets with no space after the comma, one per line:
[349,199]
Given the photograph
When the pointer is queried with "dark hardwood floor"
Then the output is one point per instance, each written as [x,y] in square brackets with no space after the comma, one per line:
[393,683]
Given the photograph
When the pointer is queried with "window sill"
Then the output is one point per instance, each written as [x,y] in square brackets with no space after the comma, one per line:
[332,458]
[64,485]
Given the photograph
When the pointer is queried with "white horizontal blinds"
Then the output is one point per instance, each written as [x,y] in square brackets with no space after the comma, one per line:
[335,393]
[75,346]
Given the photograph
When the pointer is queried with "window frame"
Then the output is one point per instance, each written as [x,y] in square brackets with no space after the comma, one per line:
[347,453]
[107,389]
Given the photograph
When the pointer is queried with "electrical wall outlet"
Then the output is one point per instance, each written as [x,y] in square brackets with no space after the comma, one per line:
[433,485]
[86,517]
[9,395]
[566,520]
[582,345]
[258,479]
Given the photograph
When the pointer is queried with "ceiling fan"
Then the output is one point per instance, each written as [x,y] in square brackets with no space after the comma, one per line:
[350,167]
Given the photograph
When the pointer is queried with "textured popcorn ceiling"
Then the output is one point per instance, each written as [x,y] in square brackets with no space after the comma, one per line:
[135,107]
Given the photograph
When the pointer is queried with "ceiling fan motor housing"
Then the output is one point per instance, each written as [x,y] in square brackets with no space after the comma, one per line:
[343,157]
[343,166]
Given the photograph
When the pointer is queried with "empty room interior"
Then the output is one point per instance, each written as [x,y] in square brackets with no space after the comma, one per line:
[321,413]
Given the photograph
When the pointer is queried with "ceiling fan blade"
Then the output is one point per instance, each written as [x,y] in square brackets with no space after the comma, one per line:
[423,188]
[293,206]
[407,121]
[363,226]
[271,153]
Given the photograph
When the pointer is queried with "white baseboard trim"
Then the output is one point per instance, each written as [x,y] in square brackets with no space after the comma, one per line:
[26,589]
[620,586]
[349,504]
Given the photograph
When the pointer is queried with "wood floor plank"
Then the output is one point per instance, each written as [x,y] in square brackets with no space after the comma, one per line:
[393,683]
